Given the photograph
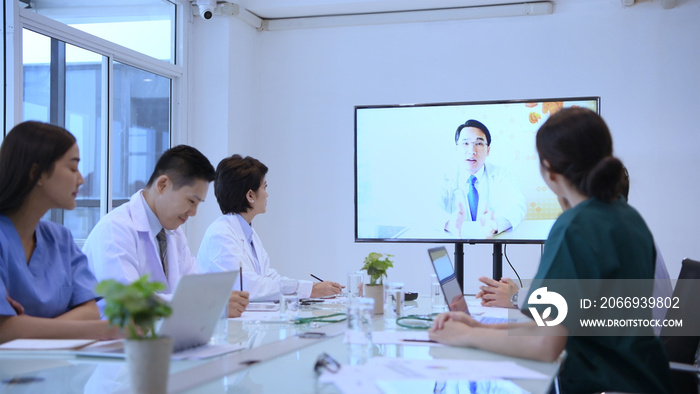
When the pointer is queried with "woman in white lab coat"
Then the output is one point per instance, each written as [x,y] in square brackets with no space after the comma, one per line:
[231,242]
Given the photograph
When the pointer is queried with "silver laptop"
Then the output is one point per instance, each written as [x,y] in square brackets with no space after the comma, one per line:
[197,304]
[451,290]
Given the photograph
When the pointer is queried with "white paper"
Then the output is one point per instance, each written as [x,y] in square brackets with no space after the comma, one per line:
[499,386]
[262,307]
[45,344]
[269,317]
[354,378]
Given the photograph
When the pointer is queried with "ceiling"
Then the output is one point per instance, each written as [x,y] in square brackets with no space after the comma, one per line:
[275,9]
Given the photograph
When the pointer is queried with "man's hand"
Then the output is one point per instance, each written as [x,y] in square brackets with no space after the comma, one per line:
[325,289]
[488,223]
[456,220]
[237,302]
[497,293]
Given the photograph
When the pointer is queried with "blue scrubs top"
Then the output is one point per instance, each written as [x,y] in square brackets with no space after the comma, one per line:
[56,279]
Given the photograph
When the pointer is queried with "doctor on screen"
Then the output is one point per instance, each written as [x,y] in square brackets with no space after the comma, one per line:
[479,192]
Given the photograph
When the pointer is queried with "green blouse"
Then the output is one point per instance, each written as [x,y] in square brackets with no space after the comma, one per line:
[599,240]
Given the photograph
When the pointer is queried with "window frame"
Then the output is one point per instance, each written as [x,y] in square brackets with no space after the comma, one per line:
[19,19]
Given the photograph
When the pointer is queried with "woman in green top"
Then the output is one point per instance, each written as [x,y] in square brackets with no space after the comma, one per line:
[598,236]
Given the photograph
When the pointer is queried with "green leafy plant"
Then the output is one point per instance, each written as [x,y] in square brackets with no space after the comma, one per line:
[376,265]
[134,307]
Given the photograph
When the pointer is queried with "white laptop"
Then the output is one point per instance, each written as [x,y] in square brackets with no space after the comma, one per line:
[197,304]
[451,290]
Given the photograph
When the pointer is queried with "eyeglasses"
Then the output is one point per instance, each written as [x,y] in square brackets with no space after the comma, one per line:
[326,362]
[477,144]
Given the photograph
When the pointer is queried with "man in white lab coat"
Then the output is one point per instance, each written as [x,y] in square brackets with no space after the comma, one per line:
[144,236]
[478,191]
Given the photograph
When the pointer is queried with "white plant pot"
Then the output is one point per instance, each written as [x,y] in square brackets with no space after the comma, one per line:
[148,362]
[377,293]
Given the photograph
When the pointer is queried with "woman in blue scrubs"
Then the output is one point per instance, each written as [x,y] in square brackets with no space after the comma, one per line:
[46,288]
[599,236]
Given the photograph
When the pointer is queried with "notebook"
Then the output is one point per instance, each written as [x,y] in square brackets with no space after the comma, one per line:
[451,290]
[197,304]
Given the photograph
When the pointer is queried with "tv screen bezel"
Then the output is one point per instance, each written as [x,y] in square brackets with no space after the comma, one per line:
[496,240]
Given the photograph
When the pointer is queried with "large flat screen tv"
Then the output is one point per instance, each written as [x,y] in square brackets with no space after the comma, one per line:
[464,172]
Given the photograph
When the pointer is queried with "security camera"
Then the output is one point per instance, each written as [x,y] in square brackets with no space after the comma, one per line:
[206,11]
[206,8]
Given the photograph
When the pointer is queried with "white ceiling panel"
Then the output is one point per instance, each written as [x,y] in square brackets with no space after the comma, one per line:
[273,9]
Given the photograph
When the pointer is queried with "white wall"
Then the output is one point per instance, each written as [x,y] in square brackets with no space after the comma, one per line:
[642,60]
[221,87]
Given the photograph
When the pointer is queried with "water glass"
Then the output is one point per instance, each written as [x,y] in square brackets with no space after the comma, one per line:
[393,301]
[360,321]
[355,284]
[437,300]
[289,299]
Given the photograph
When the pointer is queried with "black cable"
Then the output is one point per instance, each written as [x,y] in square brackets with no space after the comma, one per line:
[505,253]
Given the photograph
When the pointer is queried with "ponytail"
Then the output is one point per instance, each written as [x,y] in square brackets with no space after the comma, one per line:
[603,180]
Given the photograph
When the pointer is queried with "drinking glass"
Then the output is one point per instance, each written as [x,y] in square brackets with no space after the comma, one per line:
[360,321]
[355,283]
[289,299]
[393,302]
[437,300]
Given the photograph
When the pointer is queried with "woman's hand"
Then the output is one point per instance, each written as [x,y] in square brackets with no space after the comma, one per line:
[453,328]
[19,309]
[461,317]
[325,289]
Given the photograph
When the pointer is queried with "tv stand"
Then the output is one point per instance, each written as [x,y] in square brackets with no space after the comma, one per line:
[497,262]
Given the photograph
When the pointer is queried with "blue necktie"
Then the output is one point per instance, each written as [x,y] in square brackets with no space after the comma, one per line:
[473,197]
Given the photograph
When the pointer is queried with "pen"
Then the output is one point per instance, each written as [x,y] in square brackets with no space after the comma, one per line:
[419,340]
[240,267]
[316,277]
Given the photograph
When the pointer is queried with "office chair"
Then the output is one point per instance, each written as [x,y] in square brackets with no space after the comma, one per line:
[681,348]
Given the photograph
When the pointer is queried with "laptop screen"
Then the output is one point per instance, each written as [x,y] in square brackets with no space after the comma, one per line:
[448,280]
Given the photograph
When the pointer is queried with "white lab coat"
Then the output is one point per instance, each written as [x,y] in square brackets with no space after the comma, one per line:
[123,247]
[224,248]
[497,191]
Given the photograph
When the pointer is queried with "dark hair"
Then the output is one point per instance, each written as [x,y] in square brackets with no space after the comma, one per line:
[236,175]
[183,165]
[577,144]
[625,183]
[476,124]
[30,149]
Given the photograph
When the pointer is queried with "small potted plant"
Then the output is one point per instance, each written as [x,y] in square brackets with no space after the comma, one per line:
[135,308]
[376,265]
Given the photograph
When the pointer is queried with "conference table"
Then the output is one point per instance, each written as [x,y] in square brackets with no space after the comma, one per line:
[276,357]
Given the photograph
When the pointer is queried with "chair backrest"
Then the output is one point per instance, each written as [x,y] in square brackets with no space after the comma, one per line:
[680,346]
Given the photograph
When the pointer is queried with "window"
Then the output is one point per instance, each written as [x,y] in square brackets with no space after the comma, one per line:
[63,86]
[123,22]
[141,128]
[117,103]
